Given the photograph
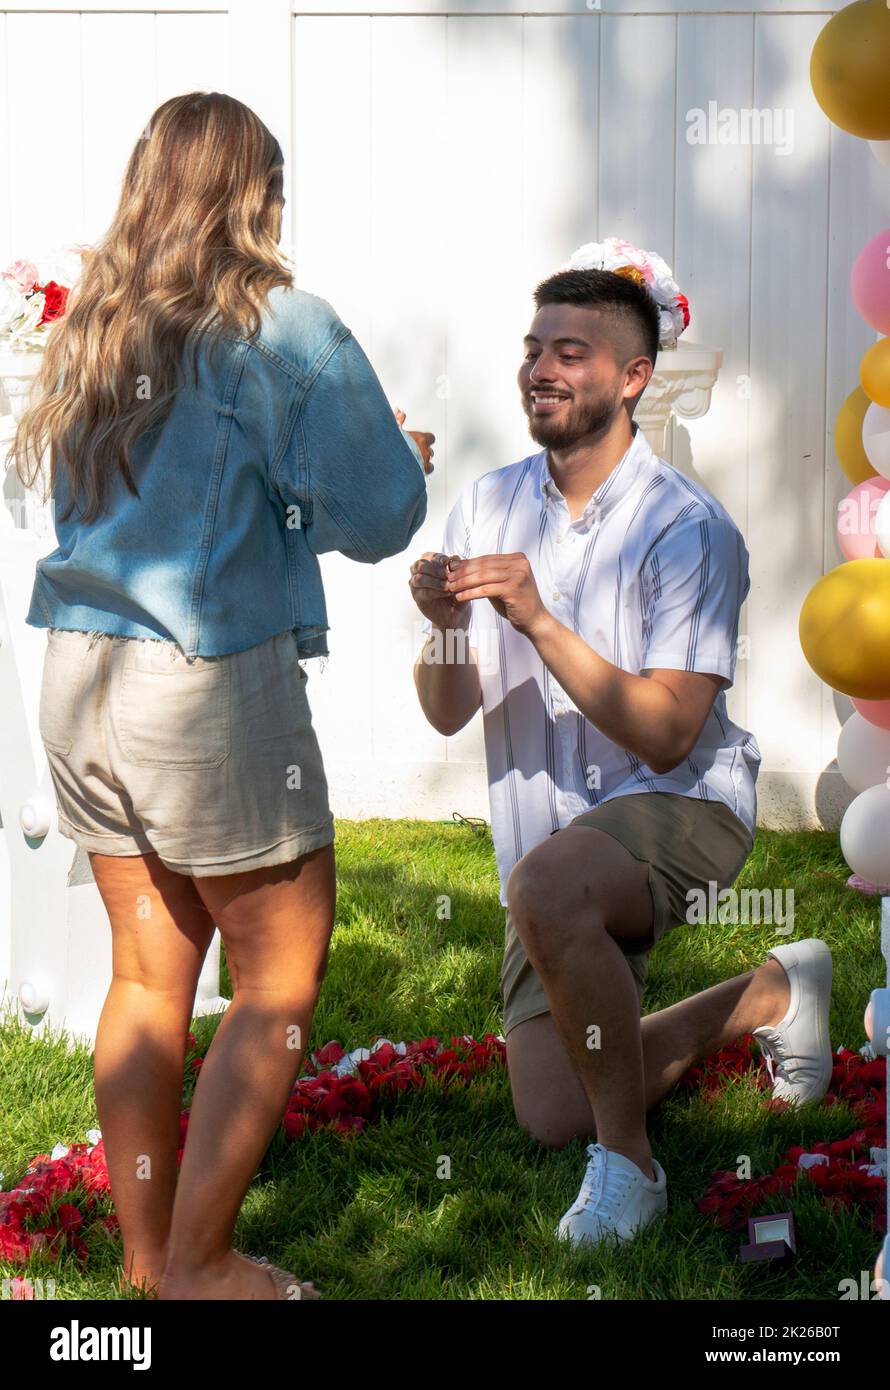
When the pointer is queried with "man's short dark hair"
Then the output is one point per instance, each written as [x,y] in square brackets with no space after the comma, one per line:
[629,301]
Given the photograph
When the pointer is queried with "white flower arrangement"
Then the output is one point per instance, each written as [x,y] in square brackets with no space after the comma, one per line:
[648,269]
[33,294]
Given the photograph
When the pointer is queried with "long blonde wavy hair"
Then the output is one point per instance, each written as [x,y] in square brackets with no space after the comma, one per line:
[192,253]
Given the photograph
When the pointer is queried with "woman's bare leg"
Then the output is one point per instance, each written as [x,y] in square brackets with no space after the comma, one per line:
[161,930]
[276,925]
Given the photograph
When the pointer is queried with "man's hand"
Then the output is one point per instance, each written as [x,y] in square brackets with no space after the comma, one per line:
[507,582]
[424,441]
[428,589]
[446,674]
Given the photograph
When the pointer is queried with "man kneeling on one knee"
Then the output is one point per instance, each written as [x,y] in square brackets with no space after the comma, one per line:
[587,599]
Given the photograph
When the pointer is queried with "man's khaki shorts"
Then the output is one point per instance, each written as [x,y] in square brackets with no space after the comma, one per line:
[685,843]
[211,762]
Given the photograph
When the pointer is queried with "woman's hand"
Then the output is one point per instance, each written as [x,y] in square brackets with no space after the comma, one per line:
[423,440]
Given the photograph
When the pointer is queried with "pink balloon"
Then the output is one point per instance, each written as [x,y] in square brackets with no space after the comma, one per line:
[856,519]
[870,282]
[875,711]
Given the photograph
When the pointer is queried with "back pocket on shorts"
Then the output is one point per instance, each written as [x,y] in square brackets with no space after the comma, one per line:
[175,719]
[60,691]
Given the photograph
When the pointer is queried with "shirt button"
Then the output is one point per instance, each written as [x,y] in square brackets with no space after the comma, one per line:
[556,594]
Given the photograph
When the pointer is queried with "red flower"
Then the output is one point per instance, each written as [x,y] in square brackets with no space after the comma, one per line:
[54,303]
[399,1077]
[349,1125]
[383,1056]
[70,1218]
[332,1106]
[736,1059]
[455,1071]
[324,1080]
[328,1056]
[295,1126]
[851,1147]
[15,1245]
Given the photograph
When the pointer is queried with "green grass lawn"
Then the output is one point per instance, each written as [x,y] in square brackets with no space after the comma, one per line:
[368,1218]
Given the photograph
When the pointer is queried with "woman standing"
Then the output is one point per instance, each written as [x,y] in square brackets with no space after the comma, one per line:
[211,430]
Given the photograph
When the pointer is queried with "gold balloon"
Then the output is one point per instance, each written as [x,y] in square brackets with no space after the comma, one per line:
[845,628]
[848,437]
[849,67]
[874,372]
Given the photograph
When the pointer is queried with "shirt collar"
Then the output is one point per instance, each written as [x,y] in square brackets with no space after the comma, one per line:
[611,490]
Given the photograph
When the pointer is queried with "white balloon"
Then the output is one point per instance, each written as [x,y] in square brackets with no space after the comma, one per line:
[876,438]
[882,526]
[881,151]
[865,835]
[863,753]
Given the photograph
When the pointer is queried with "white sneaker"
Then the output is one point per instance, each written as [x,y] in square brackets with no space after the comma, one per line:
[615,1201]
[797,1050]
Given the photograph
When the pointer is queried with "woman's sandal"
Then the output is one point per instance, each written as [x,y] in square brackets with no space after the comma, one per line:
[287,1285]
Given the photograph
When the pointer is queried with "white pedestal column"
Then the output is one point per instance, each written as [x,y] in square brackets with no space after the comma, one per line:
[681,384]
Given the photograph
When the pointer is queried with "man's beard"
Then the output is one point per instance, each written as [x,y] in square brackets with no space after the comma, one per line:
[573,423]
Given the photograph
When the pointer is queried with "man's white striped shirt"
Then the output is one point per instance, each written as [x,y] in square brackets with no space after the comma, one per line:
[652,574]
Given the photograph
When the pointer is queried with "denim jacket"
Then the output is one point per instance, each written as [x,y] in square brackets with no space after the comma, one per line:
[286,448]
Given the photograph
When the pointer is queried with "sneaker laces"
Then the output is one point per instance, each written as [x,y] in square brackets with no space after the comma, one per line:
[780,1062]
[593,1191]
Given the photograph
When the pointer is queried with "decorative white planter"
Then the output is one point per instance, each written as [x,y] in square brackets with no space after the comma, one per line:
[681,384]
[23,507]
[17,370]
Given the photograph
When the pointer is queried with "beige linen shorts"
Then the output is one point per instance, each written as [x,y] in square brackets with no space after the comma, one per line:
[685,843]
[210,762]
